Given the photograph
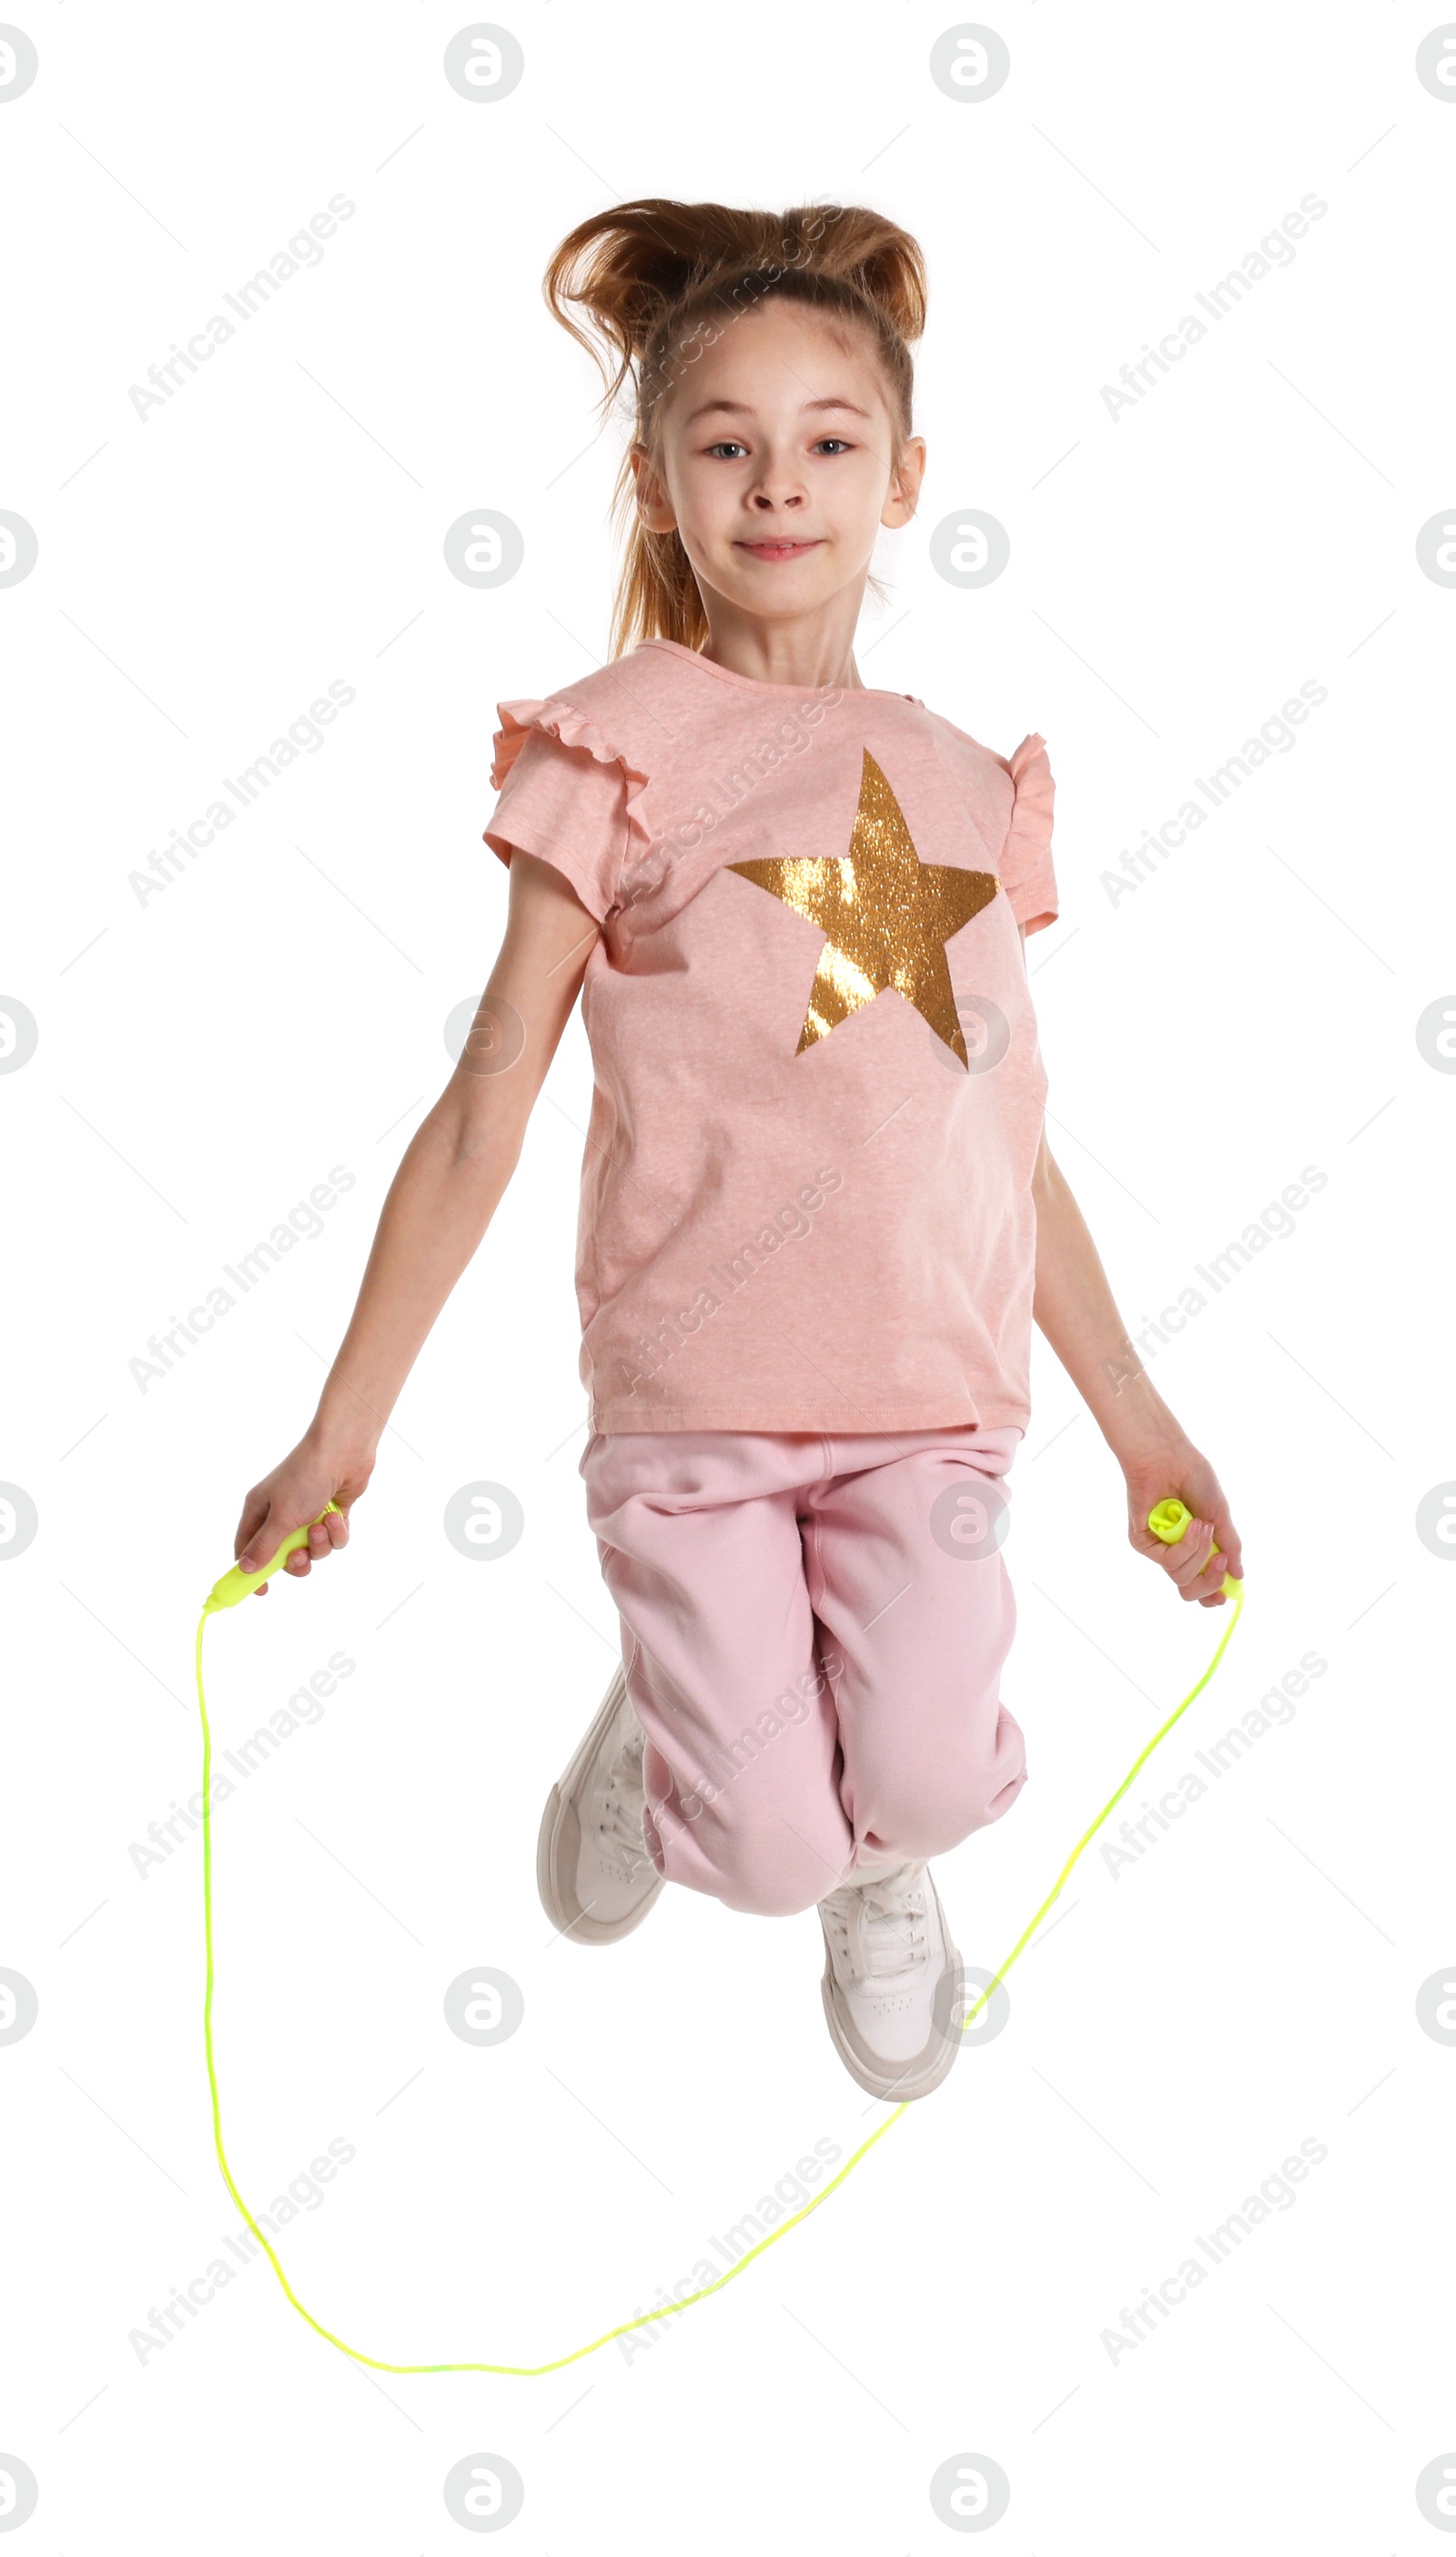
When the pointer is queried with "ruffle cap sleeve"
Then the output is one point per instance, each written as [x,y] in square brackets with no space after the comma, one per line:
[556,717]
[565,796]
[1027,875]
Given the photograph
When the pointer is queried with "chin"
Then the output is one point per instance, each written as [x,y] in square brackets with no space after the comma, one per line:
[782,589]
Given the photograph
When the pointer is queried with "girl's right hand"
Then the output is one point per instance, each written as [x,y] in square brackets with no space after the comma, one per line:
[295,1492]
[1178,1469]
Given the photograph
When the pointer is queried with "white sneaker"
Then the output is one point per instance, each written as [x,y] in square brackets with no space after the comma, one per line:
[891,1983]
[594,1869]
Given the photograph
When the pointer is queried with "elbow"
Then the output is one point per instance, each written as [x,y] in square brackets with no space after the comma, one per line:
[483,1126]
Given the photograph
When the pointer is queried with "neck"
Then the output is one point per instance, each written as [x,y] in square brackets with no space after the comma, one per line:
[811,649]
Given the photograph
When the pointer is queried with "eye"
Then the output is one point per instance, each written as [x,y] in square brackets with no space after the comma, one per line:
[728,445]
[840,442]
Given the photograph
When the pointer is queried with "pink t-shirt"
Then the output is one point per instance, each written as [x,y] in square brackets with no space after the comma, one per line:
[806,1196]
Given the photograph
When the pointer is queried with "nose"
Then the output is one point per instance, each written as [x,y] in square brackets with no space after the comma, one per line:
[779,486]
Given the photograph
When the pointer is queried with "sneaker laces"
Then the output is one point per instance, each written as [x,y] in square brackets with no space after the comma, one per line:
[619,1823]
[879,1929]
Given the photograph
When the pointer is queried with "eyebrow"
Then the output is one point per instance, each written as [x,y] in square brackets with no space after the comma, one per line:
[741,408]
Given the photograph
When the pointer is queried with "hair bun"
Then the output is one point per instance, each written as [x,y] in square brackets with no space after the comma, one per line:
[626,268]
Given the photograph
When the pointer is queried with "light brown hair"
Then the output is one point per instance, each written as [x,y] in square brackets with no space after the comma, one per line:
[657,281]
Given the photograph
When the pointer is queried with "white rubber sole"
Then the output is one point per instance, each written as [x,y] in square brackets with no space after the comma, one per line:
[559,1842]
[900,2082]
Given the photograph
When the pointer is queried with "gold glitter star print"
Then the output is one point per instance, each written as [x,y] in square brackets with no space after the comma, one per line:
[886,913]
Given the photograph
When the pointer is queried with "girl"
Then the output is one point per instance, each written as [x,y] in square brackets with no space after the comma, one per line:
[818,1213]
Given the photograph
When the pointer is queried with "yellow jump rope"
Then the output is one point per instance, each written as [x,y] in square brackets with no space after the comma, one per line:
[1169,1521]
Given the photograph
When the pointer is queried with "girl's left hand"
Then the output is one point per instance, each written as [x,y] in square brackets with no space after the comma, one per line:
[1181,1473]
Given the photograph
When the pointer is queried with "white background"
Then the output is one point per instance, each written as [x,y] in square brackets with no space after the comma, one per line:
[206,1057]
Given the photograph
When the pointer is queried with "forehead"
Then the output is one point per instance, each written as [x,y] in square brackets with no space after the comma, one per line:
[783,357]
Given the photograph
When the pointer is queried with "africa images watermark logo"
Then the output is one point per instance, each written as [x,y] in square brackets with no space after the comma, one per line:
[1275,1706]
[1276,248]
[305,2192]
[1274,1223]
[788,1224]
[304,248]
[305,1705]
[1277,736]
[1276,2193]
[303,1221]
[792,2192]
[304,736]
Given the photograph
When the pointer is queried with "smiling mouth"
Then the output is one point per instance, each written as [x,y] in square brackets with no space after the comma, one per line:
[779,547]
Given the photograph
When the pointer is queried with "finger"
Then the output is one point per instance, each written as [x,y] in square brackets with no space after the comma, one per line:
[305,1556]
[251,1529]
[1208,1588]
[1229,1557]
[1231,1551]
[264,1542]
[269,1536]
[265,1538]
[1187,1556]
[1187,1560]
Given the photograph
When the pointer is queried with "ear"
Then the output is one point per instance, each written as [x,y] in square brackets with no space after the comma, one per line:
[654,507]
[903,493]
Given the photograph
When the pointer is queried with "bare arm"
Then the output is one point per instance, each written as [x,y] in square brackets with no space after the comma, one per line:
[450,1182]
[1075,1309]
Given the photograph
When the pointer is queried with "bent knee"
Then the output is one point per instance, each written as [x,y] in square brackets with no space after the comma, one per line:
[769,1870]
[923,1825]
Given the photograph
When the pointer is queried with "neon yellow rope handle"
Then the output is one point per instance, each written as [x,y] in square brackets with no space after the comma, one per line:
[235,1584]
[1169,1521]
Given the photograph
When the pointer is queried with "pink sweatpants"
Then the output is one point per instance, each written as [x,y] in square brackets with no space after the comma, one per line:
[813,1633]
